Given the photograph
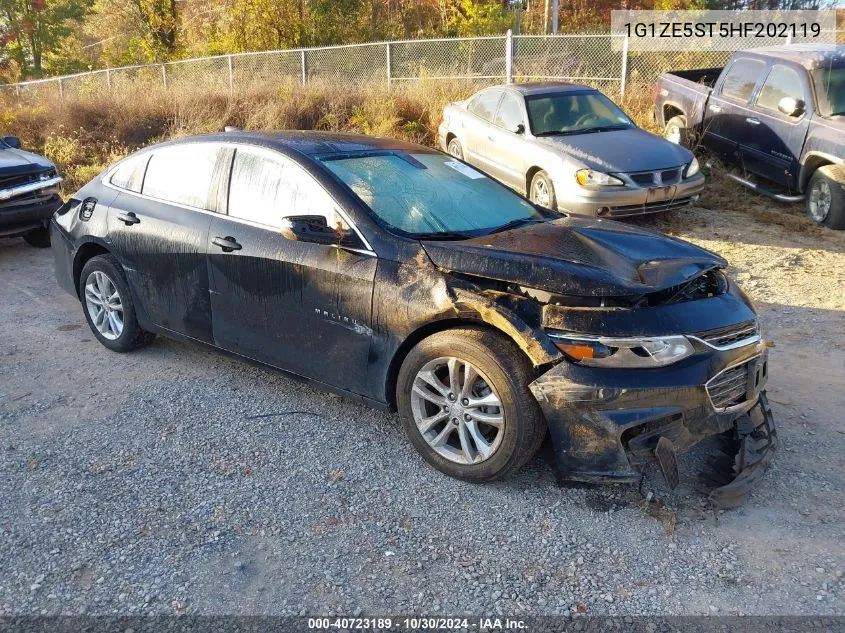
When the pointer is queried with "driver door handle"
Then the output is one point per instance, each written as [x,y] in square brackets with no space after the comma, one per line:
[227,244]
[128,218]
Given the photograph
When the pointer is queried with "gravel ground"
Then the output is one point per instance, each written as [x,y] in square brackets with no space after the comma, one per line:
[174,480]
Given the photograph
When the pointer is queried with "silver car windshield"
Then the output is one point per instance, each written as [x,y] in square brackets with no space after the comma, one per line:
[574,113]
[430,194]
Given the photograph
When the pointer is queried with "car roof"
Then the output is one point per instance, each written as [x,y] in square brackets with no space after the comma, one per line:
[808,55]
[306,142]
[545,87]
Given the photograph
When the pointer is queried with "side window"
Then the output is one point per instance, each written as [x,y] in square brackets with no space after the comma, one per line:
[509,115]
[264,189]
[182,174]
[741,78]
[130,173]
[781,82]
[484,104]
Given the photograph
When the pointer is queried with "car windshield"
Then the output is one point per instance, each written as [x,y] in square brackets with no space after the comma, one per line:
[431,195]
[574,113]
[830,89]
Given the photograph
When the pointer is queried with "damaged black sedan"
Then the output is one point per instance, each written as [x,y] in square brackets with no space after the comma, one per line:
[404,277]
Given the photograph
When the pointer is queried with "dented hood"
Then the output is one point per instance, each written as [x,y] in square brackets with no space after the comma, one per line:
[577,256]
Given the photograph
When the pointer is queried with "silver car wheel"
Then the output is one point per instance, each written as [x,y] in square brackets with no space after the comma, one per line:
[456,411]
[540,193]
[455,149]
[104,305]
[820,199]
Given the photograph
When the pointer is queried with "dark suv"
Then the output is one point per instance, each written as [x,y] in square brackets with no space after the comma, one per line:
[29,193]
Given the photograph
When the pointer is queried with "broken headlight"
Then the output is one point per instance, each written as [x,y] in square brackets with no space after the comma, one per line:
[635,352]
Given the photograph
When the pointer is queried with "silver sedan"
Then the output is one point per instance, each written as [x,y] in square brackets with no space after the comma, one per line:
[569,147]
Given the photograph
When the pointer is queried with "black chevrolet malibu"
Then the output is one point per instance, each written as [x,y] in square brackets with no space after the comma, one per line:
[405,278]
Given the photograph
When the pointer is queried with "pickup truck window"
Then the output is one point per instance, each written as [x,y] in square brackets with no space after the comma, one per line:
[741,78]
[484,105]
[830,89]
[781,82]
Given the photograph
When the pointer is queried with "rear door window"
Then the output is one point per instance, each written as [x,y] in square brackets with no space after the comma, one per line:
[265,188]
[129,174]
[484,105]
[182,174]
[741,78]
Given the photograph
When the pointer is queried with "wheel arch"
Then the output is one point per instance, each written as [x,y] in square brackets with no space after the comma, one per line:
[671,109]
[811,164]
[529,176]
[84,254]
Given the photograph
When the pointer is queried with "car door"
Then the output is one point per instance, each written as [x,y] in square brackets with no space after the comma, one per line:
[725,124]
[773,146]
[160,232]
[506,143]
[477,125]
[300,306]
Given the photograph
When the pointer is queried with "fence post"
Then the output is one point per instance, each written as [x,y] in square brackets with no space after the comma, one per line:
[304,69]
[789,37]
[624,77]
[388,65]
[108,79]
[61,90]
[509,57]
[164,75]
[231,75]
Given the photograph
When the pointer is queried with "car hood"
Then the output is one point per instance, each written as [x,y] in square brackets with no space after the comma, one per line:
[16,161]
[621,151]
[577,256]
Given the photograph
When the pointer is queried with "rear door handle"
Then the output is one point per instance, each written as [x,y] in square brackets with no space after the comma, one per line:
[128,218]
[715,108]
[753,121]
[227,244]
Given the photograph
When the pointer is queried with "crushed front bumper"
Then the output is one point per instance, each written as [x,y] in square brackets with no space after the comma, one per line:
[606,424]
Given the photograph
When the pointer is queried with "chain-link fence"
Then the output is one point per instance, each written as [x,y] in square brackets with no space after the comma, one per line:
[602,60]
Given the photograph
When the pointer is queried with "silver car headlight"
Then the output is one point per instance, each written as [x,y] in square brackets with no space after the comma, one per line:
[592,178]
[692,169]
[634,352]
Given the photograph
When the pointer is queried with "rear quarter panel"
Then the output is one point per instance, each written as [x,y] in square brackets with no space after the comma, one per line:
[682,94]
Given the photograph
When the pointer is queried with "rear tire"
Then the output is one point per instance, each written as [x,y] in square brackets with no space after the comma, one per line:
[503,373]
[38,238]
[454,148]
[102,288]
[825,201]
[675,130]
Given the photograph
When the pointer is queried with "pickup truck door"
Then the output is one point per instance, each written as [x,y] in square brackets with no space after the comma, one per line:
[477,124]
[773,143]
[506,145]
[725,123]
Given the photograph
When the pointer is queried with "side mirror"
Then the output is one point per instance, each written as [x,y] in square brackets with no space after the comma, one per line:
[791,107]
[520,129]
[12,141]
[315,229]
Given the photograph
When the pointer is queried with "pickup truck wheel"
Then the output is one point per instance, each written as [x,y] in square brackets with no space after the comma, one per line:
[39,238]
[825,200]
[465,405]
[542,191]
[674,130]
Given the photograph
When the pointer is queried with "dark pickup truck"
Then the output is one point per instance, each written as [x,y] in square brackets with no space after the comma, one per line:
[777,112]
[29,193]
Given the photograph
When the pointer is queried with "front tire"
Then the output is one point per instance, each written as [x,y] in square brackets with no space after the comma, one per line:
[465,405]
[38,238]
[542,191]
[108,305]
[825,201]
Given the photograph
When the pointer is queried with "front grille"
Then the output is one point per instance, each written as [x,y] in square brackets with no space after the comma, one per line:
[731,334]
[729,387]
[7,182]
[651,207]
[657,178]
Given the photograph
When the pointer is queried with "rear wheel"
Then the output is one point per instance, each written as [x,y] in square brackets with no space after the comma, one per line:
[825,201]
[542,191]
[39,238]
[674,130]
[108,305]
[455,149]
[465,405]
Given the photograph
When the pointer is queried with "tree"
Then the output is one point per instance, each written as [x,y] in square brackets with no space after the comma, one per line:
[33,28]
